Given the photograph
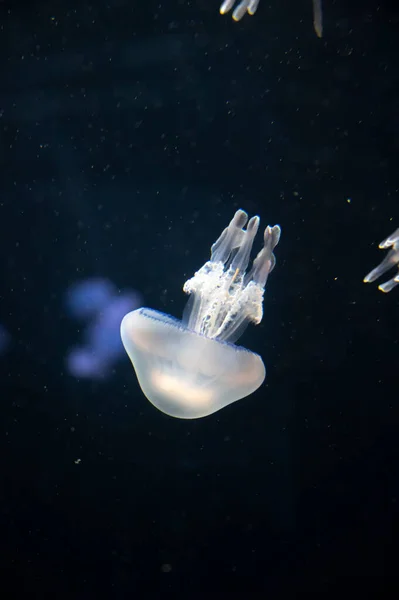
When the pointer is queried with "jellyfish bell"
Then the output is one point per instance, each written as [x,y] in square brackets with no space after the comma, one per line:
[191,368]
[183,373]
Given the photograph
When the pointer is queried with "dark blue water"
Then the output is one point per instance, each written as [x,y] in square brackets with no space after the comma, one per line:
[130,133]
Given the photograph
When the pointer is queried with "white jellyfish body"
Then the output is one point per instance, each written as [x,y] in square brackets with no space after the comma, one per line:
[250,7]
[191,368]
[391,260]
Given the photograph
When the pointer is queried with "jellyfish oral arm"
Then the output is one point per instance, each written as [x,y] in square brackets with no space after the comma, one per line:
[250,7]
[318,18]
[245,6]
[224,298]
[391,260]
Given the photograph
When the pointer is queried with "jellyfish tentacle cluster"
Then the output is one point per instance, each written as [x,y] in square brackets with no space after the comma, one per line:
[250,7]
[391,260]
[191,368]
[245,6]
[226,299]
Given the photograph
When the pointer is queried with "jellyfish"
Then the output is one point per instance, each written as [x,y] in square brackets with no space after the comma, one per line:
[86,298]
[192,368]
[389,261]
[97,303]
[250,7]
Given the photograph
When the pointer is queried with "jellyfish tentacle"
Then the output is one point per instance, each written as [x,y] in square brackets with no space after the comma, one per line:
[390,261]
[251,6]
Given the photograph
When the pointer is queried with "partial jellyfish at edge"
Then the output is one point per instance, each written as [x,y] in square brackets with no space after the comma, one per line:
[390,261]
[250,7]
[191,368]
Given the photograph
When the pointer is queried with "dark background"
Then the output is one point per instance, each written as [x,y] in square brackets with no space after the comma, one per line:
[130,132]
